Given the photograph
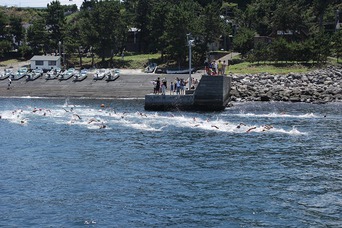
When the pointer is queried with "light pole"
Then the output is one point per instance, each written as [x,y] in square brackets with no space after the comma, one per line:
[337,22]
[190,43]
[59,49]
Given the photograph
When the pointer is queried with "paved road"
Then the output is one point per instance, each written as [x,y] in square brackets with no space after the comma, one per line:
[130,84]
[229,56]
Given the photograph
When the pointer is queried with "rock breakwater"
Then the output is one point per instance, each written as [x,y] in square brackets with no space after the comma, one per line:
[318,86]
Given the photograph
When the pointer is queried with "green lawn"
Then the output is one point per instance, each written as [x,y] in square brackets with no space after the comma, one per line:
[253,68]
[10,62]
[139,61]
[128,61]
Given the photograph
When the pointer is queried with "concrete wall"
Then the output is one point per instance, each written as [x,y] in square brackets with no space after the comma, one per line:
[212,91]
[168,102]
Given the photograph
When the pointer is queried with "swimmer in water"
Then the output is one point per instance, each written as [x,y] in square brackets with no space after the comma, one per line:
[267,127]
[215,126]
[241,124]
[250,129]
[92,120]
[77,116]
[142,114]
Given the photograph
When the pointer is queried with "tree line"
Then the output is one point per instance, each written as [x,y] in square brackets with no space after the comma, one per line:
[261,30]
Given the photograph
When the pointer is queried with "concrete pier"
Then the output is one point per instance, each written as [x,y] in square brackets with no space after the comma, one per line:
[211,94]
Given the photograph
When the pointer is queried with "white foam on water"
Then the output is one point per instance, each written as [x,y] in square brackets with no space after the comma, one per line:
[275,115]
[293,131]
[14,116]
[141,126]
[93,118]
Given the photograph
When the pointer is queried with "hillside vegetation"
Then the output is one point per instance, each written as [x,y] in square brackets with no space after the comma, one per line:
[100,32]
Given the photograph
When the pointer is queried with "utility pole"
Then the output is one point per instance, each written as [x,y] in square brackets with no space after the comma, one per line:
[190,42]
[59,50]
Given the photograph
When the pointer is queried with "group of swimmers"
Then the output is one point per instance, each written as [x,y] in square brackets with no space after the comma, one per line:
[264,128]
[102,124]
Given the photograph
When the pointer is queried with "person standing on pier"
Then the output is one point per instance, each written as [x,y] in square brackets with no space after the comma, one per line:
[178,86]
[206,67]
[164,86]
[171,88]
[224,67]
[157,86]
[220,68]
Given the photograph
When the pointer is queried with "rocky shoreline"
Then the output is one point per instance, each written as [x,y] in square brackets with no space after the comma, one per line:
[318,86]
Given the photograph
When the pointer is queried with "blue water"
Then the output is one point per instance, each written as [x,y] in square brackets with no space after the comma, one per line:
[69,163]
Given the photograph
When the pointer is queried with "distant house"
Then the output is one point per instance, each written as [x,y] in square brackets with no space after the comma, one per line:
[290,34]
[45,62]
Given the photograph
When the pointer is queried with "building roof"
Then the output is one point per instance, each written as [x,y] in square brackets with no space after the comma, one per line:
[45,57]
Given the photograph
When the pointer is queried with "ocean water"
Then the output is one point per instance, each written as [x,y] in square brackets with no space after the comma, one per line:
[70,163]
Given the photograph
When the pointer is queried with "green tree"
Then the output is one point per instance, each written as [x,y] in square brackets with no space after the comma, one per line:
[258,16]
[261,52]
[320,47]
[102,27]
[337,44]
[5,44]
[319,9]
[5,47]
[213,25]
[288,18]
[243,42]
[88,30]
[37,36]
[55,22]
[73,29]
[300,51]
[280,50]
[157,26]
[143,10]
[3,23]
[16,30]
[25,51]
[181,20]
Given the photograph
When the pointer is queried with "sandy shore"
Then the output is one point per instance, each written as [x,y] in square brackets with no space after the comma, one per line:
[130,84]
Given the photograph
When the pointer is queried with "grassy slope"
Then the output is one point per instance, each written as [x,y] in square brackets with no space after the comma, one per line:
[128,61]
[253,68]
[139,61]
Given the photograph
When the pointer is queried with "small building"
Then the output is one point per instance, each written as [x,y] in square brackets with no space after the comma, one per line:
[45,62]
